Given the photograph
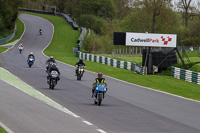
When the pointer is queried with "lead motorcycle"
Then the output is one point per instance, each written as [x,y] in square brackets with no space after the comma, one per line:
[52,79]
[30,61]
[99,93]
[40,31]
[80,72]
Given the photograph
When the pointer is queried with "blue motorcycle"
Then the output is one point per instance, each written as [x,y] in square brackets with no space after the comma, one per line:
[31,61]
[99,93]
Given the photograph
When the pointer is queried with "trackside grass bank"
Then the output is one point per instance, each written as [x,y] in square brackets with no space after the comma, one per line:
[2,49]
[18,34]
[2,130]
[61,48]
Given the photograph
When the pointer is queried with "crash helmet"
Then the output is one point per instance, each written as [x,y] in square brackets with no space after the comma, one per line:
[81,59]
[53,64]
[51,57]
[100,75]
[31,53]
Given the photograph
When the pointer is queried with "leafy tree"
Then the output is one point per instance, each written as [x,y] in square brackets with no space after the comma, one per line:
[8,13]
[122,8]
[100,8]
[143,20]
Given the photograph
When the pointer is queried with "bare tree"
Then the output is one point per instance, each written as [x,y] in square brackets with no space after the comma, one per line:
[185,5]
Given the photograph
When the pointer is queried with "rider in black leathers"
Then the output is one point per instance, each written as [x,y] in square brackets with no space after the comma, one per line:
[53,68]
[51,59]
[40,31]
[80,62]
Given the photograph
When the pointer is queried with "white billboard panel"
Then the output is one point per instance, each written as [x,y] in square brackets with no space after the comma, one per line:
[149,39]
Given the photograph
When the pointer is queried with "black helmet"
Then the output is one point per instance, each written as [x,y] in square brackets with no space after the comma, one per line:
[81,59]
[100,75]
[53,64]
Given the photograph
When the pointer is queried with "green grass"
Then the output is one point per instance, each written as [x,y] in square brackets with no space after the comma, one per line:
[2,130]
[135,59]
[61,48]
[2,49]
[20,29]
[5,33]
[19,32]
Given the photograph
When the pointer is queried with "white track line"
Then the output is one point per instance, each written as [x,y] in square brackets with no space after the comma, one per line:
[59,107]
[101,131]
[6,128]
[88,123]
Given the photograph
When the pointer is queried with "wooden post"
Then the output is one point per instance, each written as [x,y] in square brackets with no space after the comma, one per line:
[126,51]
[120,51]
[129,51]
[136,50]
[133,51]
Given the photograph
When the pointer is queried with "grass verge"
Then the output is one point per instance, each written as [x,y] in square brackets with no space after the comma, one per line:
[61,48]
[19,32]
[2,49]
[2,130]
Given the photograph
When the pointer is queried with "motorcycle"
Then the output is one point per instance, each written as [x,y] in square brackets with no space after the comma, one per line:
[99,93]
[20,50]
[49,65]
[80,72]
[40,31]
[30,61]
[53,79]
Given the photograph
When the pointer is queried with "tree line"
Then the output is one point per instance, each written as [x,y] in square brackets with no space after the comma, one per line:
[8,16]
[103,17]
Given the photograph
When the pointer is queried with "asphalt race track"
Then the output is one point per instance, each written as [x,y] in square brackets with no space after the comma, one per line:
[127,108]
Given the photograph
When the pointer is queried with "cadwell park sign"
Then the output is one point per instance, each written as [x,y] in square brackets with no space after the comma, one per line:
[145,39]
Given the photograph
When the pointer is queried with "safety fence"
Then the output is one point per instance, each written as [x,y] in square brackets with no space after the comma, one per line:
[65,16]
[68,18]
[186,75]
[4,40]
[111,62]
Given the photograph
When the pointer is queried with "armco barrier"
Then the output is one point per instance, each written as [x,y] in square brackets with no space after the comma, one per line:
[186,75]
[68,19]
[4,40]
[65,16]
[111,62]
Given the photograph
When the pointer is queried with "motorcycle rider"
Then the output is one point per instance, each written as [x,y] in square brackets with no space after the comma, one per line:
[31,54]
[40,31]
[51,59]
[99,79]
[53,68]
[80,62]
[21,46]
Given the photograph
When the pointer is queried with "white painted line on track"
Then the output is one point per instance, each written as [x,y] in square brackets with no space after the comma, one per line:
[65,110]
[88,123]
[59,107]
[6,128]
[101,131]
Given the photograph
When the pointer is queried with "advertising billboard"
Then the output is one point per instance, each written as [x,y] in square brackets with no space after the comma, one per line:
[149,39]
